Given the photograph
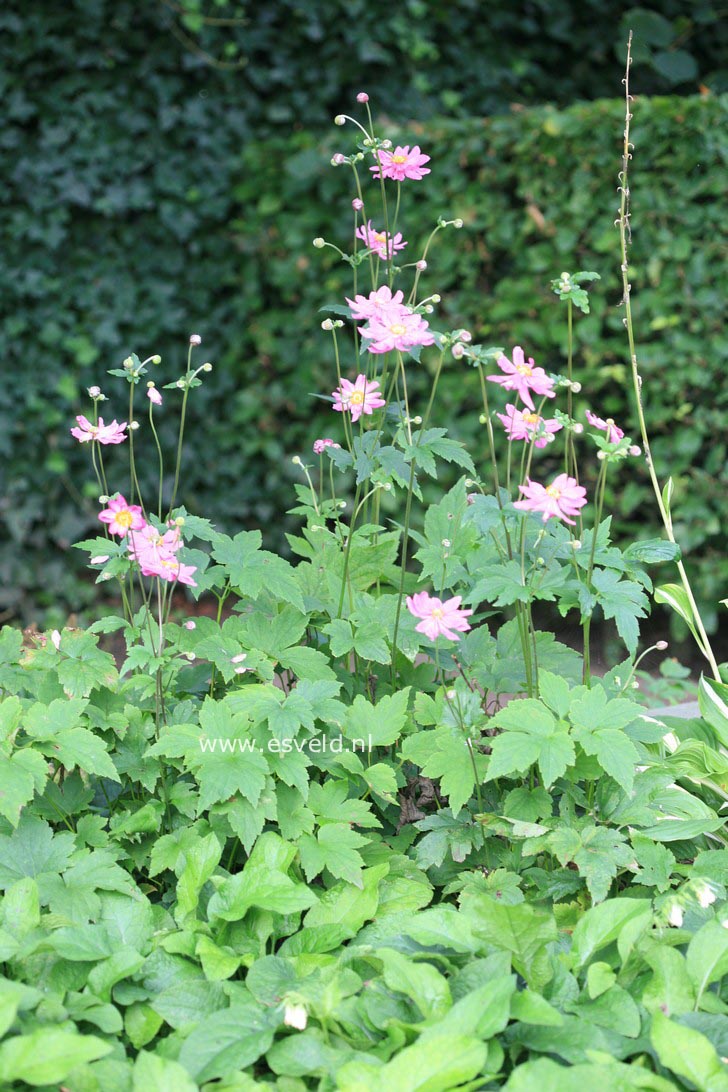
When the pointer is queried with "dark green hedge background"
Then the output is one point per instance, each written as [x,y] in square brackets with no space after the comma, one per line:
[163,174]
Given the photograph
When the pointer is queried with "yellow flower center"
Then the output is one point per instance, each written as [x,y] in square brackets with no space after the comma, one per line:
[398,329]
[437,613]
[399,159]
[124,518]
[357,398]
[553,491]
[531,418]
[523,369]
[380,237]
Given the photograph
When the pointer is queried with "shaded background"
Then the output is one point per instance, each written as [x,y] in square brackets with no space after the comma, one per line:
[165,167]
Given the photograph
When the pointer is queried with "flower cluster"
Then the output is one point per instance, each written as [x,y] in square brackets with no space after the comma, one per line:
[390,323]
[154,551]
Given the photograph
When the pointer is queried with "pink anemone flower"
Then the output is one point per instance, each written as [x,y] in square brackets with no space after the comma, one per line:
[525,424]
[397,328]
[122,517]
[439,618]
[378,242]
[614,433]
[112,433]
[523,378]
[562,499]
[376,303]
[401,163]
[360,397]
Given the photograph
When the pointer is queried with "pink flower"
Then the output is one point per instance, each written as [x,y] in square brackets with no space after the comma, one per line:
[101,433]
[523,377]
[563,498]
[397,328]
[524,425]
[438,618]
[362,97]
[359,397]
[401,163]
[319,446]
[614,434]
[122,517]
[189,624]
[376,241]
[376,303]
[154,396]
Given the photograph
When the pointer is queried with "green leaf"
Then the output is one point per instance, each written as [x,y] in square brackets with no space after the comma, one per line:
[335,848]
[530,734]
[438,1064]
[707,955]
[675,596]
[47,1056]
[603,924]
[671,988]
[161,1074]
[598,853]
[421,982]
[378,725]
[713,702]
[201,859]
[253,571]
[228,1041]
[622,600]
[21,775]
[688,1054]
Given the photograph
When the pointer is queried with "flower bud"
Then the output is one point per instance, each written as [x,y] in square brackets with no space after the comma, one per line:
[342,504]
[327,324]
[465,336]
[190,656]
[319,242]
[103,499]
[458,350]
[94,392]
[635,450]
[436,297]
[362,97]
[601,455]
[156,359]
[296,460]
[134,425]
[206,367]
[357,204]
[471,498]
[578,428]
[387,144]
[417,420]
[339,120]
[482,419]
[428,308]
[189,624]
[457,223]
[421,265]
[576,387]
[576,544]
[195,339]
[338,160]
[446,543]
[661,646]
[181,384]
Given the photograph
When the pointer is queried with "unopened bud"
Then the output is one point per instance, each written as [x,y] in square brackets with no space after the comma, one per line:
[577,427]
[296,460]
[327,324]
[342,504]
[338,160]
[446,543]
[601,455]
[339,120]
[661,646]
[458,350]
[387,144]
[190,656]
[421,265]
[319,242]
[195,339]
[156,359]
[94,392]
[190,624]
[362,97]
[417,420]
[635,450]
[134,425]
[457,223]
[576,387]
[206,367]
[181,384]
[482,419]
[428,308]
[465,336]
[436,298]
[576,543]
[357,204]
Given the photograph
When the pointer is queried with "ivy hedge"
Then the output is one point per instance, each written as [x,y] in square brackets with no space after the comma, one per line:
[148,195]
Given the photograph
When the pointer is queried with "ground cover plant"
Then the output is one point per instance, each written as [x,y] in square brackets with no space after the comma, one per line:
[367,825]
